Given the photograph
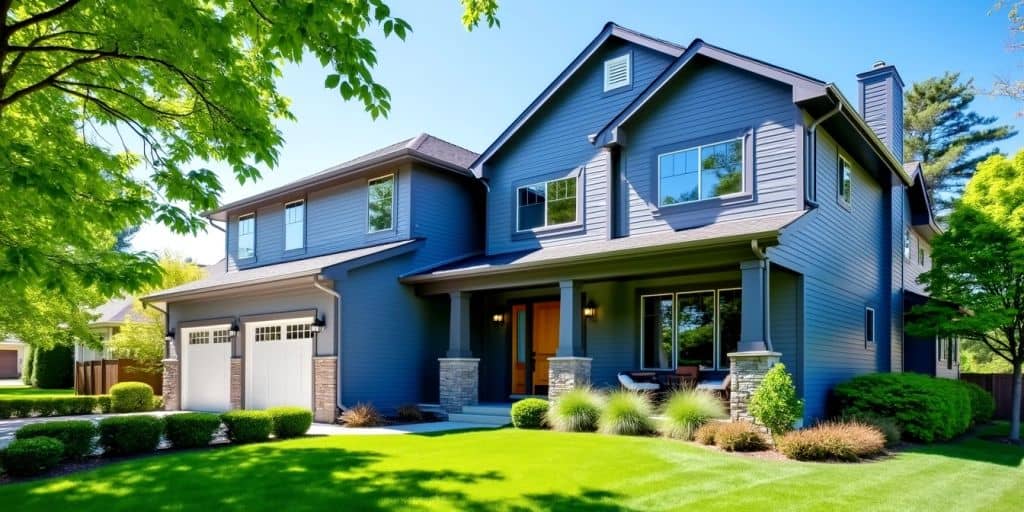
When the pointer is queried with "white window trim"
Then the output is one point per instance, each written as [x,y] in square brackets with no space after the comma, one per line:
[717,331]
[874,325]
[839,182]
[394,189]
[238,241]
[700,172]
[302,238]
[546,226]
[629,72]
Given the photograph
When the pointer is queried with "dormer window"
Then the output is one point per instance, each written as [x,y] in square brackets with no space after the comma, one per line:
[617,73]
[294,225]
[247,236]
[381,203]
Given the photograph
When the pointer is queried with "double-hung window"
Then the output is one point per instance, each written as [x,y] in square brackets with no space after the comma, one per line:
[548,203]
[381,203]
[247,236]
[845,181]
[701,172]
[294,225]
[697,328]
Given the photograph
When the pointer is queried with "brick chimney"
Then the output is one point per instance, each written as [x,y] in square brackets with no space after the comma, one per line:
[881,104]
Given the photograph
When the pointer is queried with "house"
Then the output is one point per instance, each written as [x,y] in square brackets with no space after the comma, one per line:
[12,356]
[657,206]
[109,318]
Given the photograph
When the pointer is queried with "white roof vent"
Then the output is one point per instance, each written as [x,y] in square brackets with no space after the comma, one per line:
[616,73]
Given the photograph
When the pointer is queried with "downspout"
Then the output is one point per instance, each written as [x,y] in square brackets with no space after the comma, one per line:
[811,155]
[767,292]
[337,333]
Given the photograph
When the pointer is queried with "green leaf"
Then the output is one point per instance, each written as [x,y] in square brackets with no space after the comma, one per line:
[332,80]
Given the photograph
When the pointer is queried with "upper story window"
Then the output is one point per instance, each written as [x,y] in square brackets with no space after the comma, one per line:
[382,203]
[617,73]
[845,180]
[247,236]
[907,243]
[294,225]
[869,326]
[548,203]
[701,172]
[922,255]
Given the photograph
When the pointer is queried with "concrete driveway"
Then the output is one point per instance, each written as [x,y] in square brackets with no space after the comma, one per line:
[11,383]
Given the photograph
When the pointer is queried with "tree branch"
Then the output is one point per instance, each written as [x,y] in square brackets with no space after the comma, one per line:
[46,81]
[43,16]
[125,94]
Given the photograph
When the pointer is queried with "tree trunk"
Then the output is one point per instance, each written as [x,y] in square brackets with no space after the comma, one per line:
[1015,404]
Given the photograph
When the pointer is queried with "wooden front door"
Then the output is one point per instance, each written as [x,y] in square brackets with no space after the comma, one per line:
[520,348]
[545,339]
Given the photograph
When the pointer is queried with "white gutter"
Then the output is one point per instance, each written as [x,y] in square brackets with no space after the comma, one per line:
[337,330]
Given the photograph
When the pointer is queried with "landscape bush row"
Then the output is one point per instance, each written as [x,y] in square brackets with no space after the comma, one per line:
[123,397]
[39,447]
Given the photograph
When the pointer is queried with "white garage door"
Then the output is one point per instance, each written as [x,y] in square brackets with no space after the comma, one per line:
[279,363]
[206,368]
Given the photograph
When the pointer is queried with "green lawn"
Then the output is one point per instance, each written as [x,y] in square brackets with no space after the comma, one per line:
[529,470]
[8,391]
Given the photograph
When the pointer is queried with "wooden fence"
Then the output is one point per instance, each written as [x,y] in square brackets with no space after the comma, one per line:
[96,377]
[1001,387]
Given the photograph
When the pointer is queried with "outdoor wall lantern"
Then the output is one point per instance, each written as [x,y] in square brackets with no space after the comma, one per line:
[169,336]
[498,319]
[318,325]
[233,330]
[590,310]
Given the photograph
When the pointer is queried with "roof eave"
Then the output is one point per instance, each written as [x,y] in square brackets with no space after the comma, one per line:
[879,147]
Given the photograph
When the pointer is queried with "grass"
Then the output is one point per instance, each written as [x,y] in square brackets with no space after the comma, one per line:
[529,470]
[11,391]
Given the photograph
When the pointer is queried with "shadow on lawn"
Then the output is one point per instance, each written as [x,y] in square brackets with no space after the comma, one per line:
[267,477]
[980,446]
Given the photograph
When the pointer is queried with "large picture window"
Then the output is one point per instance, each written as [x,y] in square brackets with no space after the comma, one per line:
[548,203]
[247,236]
[690,328]
[701,172]
[382,203]
[294,225]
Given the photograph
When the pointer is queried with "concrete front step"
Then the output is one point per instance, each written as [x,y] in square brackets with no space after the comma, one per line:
[479,419]
[504,410]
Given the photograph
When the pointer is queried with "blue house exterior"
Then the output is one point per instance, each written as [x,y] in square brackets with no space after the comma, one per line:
[657,208]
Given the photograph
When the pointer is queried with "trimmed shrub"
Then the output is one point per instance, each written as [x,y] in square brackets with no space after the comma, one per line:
[983,406]
[846,442]
[53,367]
[190,429]
[626,413]
[158,403]
[28,406]
[126,435]
[26,457]
[687,410]
[247,426]
[28,365]
[705,434]
[529,413]
[925,408]
[77,436]
[290,421]
[103,403]
[774,402]
[22,407]
[131,397]
[739,436]
[576,410]
[409,413]
[362,415]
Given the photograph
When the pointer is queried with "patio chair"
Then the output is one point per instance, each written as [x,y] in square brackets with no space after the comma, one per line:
[722,388]
[632,385]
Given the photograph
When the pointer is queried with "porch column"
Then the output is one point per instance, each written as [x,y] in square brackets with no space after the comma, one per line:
[172,385]
[460,371]
[754,306]
[570,367]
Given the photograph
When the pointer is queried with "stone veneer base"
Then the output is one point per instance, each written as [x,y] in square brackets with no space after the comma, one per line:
[325,389]
[566,373]
[748,370]
[460,383]
[172,384]
[236,382]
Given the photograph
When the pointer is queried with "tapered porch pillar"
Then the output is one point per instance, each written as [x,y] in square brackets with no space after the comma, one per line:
[460,371]
[754,357]
[570,367]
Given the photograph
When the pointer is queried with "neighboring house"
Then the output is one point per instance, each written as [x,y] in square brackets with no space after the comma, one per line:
[110,316]
[12,356]
[656,206]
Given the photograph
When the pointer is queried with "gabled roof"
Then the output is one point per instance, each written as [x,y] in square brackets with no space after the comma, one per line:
[922,215]
[424,147]
[803,86]
[116,311]
[280,271]
[610,30]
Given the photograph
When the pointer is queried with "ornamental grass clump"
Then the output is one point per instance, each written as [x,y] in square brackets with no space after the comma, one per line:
[739,436]
[576,410]
[843,442]
[626,413]
[705,434]
[362,415]
[687,410]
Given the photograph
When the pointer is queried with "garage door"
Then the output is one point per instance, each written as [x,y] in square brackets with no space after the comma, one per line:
[206,368]
[279,363]
[8,364]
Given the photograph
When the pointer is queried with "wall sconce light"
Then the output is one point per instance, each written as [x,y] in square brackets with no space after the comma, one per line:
[169,336]
[590,310]
[498,319]
[318,325]
[233,330]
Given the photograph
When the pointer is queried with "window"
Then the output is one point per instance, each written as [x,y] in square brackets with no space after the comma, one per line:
[221,336]
[699,173]
[294,225]
[548,203]
[298,331]
[907,242]
[616,73]
[382,203]
[247,236]
[845,182]
[267,333]
[689,328]
[869,326]
[921,256]
[199,338]
[947,351]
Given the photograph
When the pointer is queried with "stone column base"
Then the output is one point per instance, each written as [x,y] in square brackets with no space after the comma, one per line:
[236,382]
[566,373]
[172,384]
[460,383]
[325,389]
[748,370]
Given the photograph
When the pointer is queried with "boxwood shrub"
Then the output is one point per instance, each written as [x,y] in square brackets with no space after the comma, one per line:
[53,367]
[28,406]
[26,457]
[927,409]
[125,435]
[131,397]
[191,429]
[983,406]
[290,421]
[529,413]
[103,403]
[78,436]
[247,426]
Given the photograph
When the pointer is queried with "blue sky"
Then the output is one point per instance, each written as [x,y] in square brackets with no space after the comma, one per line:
[467,86]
